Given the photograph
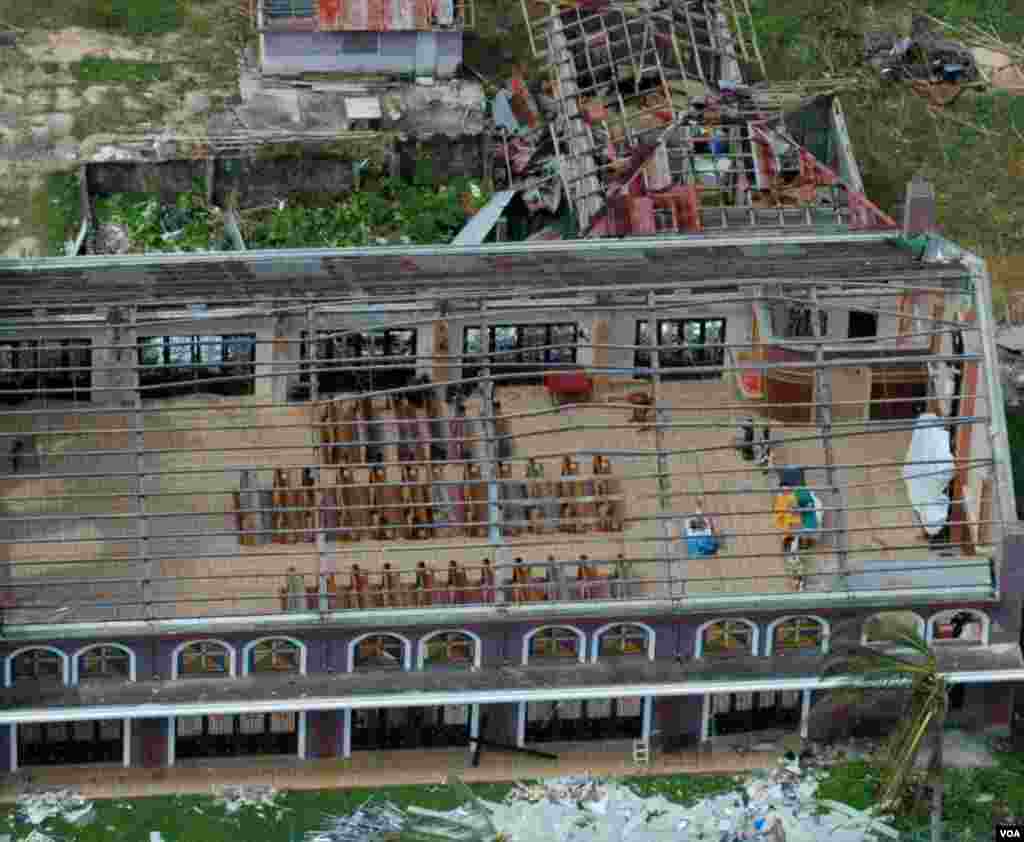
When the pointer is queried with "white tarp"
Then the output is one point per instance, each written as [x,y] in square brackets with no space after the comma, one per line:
[928,471]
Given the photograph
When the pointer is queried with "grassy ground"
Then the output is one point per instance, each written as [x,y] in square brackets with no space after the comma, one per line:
[974,799]
[199,819]
[128,17]
[972,151]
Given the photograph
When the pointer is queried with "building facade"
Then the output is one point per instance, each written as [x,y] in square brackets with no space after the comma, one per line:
[222,538]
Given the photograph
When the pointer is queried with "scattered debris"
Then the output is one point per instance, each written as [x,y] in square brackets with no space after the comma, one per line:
[924,56]
[238,797]
[37,807]
[368,822]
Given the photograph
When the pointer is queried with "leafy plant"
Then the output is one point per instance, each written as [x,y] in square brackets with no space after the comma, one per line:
[923,718]
[190,224]
[396,212]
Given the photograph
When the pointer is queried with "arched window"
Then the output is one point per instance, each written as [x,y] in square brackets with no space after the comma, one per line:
[725,638]
[885,628]
[204,658]
[37,663]
[623,639]
[380,651]
[274,655]
[555,642]
[105,662]
[963,625]
[449,648]
[793,635]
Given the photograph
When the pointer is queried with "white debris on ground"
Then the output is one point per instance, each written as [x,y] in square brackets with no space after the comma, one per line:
[779,806]
[36,807]
[257,797]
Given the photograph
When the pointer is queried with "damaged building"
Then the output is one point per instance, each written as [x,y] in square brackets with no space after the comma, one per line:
[641,477]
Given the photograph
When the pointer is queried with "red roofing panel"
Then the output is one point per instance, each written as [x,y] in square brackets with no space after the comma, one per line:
[375,15]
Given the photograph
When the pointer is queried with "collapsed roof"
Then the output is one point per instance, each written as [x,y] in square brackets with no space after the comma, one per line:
[648,126]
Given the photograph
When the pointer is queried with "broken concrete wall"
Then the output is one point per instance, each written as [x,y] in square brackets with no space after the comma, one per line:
[262,181]
[167,179]
[441,158]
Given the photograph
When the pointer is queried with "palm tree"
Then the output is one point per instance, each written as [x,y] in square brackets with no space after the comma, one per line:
[923,716]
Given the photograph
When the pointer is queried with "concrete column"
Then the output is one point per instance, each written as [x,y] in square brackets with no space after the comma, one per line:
[264,390]
[285,357]
[114,373]
[345,726]
[805,713]
[426,342]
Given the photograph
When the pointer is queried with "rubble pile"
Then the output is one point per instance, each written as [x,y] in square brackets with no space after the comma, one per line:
[37,807]
[777,806]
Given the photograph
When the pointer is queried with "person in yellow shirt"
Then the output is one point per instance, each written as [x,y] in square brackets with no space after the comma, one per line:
[786,518]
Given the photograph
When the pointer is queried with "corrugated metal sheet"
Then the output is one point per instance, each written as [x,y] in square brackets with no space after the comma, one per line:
[374,15]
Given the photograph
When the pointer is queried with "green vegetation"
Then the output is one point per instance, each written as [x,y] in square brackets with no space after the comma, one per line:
[63,210]
[922,722]
[968,810]
[972,150]
[126,17]
[395,212]
[499,45]
[152,227]
[1015,433]
[92,70]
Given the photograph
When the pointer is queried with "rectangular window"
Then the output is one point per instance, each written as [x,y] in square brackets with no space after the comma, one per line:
[282,723]
[799,324]
[59,367]
[221,725]
[190,726]
[522,349]
[863,325]
[685,343]
[341,366]
[174,365]
[252,723]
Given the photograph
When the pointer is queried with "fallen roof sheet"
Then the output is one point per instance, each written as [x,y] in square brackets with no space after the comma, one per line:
[481,223]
